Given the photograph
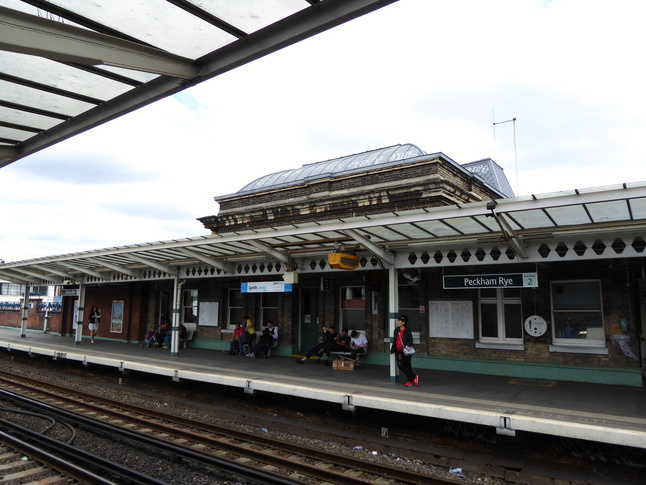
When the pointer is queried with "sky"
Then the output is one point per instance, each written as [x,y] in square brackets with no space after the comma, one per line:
[437,74]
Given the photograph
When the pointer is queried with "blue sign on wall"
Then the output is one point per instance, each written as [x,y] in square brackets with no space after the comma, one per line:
[266,287]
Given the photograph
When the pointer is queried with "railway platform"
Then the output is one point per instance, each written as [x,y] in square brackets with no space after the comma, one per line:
[595,412]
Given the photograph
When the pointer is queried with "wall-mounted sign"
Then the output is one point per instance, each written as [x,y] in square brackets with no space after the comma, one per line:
[70,292]
[266,287]
[535,325]
[450,319]
[513,280]
[208,312]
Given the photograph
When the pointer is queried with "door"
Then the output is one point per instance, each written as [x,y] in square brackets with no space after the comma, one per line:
[165,307]
[308,313]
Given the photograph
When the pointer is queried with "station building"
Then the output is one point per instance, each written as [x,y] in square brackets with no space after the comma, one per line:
[545,286]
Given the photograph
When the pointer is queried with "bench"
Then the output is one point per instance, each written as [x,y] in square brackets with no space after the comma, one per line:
[348,355]
[189,336]
[272,345]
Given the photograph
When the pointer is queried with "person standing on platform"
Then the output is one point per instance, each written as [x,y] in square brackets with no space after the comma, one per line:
[403,339]
[249,332]
[95,320]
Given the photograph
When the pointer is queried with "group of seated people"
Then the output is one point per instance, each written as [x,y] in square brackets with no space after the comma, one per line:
[163,336]
[356,343]
[257,346]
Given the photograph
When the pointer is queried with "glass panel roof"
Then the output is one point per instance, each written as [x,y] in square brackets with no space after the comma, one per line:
[154,22]
[467,225]
[638,207]
[532,219]
[66,58]
[616,210]
[569,215]
[607,206]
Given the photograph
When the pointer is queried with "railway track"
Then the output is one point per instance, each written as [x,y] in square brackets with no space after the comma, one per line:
[257,457]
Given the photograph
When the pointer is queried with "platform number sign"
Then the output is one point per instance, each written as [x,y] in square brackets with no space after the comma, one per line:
[530,280]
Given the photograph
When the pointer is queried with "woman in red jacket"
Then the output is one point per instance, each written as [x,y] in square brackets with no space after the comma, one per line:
[403,339]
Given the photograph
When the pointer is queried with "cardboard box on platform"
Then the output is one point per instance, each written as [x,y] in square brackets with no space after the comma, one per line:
[343,364]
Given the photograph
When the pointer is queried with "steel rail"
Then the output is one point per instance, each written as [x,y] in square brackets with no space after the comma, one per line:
[167,420]
[62,456]
[160,445]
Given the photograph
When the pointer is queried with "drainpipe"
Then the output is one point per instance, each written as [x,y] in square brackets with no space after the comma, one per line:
[46,321]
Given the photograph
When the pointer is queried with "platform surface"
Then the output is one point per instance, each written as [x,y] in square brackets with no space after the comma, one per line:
[597,412]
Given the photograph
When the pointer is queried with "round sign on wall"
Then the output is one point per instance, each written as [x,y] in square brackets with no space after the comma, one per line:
[535,325]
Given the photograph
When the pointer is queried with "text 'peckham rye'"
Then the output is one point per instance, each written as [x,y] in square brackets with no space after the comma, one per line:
[480,282]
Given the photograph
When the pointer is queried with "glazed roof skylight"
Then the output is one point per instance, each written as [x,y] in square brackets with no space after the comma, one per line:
[336,166]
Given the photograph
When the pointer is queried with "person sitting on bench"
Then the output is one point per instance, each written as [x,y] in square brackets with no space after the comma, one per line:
[324,347]
[358,344]
[268,336]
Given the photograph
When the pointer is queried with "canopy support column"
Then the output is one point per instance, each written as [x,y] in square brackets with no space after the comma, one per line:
[393,307]
[177,305]
[25,312]
[78,337]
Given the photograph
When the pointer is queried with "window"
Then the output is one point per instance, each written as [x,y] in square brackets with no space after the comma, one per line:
[577,313]
[189,309]
[10,289]
[409,304]
[235,308]
[501,316]
[269,307]
[353,308]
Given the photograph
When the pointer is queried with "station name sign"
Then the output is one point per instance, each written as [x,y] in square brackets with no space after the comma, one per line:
[266,287]
[513,280]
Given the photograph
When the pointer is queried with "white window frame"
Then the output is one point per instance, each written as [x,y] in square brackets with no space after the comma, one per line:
[266,308]
[194,306]
[502,341]
[578,345]
[231,322]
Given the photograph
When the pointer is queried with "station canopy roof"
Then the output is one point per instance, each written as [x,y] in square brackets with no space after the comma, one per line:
[69,65]
[520,223]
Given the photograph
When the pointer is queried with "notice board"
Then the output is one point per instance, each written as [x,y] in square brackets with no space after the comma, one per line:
[209,313]
[450,319]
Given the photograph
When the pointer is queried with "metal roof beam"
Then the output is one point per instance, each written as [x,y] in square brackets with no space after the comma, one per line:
[83,270]
[29,34]
[47,270]
[115,267]
[161,267]
[386,256]
[14,278]
[8,152]
[280,256]
[510,236]
[35,274]
[226,267]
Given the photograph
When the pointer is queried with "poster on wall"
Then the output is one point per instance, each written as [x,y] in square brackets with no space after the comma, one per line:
[450,319]
[209,313]
[116,321]
[75,314]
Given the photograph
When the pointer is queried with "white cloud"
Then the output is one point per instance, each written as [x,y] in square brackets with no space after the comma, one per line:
[427,73]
